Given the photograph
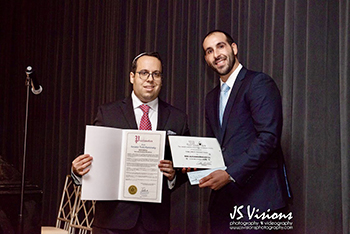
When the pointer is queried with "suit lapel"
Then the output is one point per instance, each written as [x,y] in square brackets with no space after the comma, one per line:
[163,115]
[128,110]
[214,106]
[231,99]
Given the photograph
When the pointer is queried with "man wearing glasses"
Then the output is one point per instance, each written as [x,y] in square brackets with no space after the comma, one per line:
[138,217]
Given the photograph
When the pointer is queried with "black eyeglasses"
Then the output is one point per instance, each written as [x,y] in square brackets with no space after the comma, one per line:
[145,74]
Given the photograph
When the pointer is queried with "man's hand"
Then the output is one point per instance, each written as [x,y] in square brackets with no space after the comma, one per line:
[81,164]
[166,166]
[188,169]
[215,180]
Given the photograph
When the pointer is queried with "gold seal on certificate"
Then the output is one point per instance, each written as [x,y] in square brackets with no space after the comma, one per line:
[196,152]
[132,189]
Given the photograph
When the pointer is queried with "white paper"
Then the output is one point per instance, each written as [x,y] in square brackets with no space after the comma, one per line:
[103,181]
[125,164]
[195,176]
[196,152]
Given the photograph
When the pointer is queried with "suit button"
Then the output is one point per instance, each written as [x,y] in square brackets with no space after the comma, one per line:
[223,149]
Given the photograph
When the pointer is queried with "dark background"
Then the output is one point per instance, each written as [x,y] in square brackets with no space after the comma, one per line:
[82,50]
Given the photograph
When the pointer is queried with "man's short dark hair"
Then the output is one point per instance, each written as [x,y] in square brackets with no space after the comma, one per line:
[229,39]
[153,54]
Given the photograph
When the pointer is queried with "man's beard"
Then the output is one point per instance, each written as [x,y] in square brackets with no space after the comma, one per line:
[226,69]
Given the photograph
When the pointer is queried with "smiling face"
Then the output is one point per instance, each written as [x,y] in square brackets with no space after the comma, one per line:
[220,55]
[146,90]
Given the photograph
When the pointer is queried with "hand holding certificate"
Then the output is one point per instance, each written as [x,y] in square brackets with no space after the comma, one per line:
[125,164]
[196,152]
[195,176]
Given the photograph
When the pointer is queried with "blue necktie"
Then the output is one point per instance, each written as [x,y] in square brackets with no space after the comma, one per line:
[223,100]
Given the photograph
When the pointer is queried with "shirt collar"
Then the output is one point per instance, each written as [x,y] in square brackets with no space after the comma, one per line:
[232,78]
[136,102]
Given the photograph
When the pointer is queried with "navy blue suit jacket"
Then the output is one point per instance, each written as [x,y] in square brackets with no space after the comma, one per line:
[123,214]
[250,142]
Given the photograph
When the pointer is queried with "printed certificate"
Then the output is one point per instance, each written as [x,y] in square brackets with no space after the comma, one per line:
[125,164]
[196,152]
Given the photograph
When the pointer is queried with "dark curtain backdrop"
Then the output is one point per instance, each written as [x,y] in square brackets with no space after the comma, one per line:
[82,50]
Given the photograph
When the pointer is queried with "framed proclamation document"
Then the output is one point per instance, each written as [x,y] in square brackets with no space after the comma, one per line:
[124,166]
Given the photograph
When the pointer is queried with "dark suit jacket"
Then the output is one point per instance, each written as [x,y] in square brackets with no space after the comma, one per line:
[122,214]
[250,142]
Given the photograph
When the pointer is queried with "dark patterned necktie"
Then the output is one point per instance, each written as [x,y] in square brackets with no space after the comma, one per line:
[145,123]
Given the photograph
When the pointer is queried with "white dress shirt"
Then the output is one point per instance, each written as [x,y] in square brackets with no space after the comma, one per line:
[152,113]
[231,80]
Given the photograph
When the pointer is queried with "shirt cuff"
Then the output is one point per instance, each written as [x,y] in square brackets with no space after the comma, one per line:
[171,184]
[76,179]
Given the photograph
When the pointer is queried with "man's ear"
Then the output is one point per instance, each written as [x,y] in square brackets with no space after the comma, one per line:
[235,48]
[132,77]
